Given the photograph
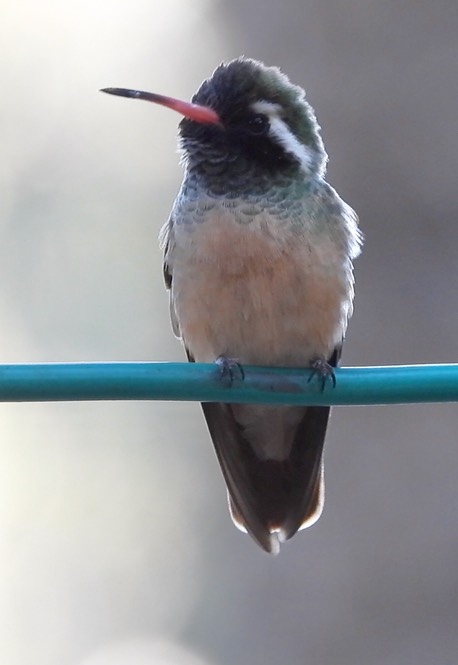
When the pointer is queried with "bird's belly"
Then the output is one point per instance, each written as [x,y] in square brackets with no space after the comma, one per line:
[263,304]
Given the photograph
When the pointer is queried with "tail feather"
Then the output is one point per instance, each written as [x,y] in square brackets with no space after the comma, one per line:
[271,498]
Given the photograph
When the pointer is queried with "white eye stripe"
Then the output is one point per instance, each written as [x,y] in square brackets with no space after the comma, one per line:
[282,134]
[268,108]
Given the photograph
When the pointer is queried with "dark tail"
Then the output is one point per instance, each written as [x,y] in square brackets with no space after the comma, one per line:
[271,498]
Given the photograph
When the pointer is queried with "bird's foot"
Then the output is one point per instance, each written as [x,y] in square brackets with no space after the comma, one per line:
[229,369]
[324,371]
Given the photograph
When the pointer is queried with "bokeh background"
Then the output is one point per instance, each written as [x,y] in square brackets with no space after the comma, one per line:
[115,542]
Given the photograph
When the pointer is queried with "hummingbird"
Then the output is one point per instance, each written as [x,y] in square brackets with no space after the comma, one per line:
[258,254]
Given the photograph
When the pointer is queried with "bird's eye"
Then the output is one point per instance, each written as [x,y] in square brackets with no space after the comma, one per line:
[258,124]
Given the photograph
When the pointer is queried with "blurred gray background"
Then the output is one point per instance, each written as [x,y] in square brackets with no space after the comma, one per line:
[115,542]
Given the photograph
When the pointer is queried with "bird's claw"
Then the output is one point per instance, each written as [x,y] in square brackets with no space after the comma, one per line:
[324,371]
[229,369]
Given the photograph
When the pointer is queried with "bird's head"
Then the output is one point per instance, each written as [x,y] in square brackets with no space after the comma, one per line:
[246,116]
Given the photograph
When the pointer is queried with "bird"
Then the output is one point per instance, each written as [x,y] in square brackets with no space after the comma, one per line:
[258,261]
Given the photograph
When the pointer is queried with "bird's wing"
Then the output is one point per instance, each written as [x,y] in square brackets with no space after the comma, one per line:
[166,242]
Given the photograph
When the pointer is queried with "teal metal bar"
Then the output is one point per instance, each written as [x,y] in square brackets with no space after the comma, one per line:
[203,383]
